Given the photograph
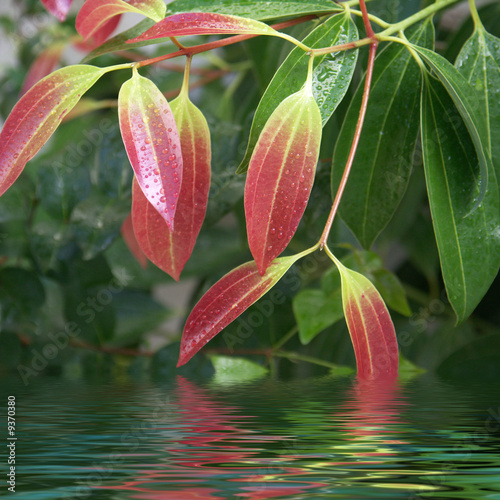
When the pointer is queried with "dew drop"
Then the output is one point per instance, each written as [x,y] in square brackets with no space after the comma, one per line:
[172,157]
[273,230]
[147,140]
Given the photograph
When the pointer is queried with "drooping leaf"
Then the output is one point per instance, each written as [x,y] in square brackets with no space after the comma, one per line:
[95,13]
[42,66]
[119,42]
[468,242]
[58,8]
[205,23]
[316,310]
[370,326]
[256,9]
[331,77]
[152,142]
[479,62]
[281,175]
[383,161]
[128,236]
[36,116]
[225,301]
[468,105]
[171,250]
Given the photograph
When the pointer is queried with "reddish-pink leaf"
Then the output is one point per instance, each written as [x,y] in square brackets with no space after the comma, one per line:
[95,13]
[37,114]
[128,236]
[281,175]
[42,66]
[152,142]
[100,35]
[204,23]
[370,326]
[225,301]
[171,250]
[58,8]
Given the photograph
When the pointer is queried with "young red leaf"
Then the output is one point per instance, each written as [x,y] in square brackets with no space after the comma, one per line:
[152,142]
[95,13]
[100,35]
[171,250]
[42,66]
[36,116]
[281,175]
[204,23]
[58,8]
[370,326]
[226,300]
[128,236]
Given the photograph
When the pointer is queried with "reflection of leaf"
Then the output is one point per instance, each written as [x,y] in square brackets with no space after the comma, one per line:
[468,243]
[225,301]
[281,175]
[383,161]
[256,9]
[331,76]
[479,62]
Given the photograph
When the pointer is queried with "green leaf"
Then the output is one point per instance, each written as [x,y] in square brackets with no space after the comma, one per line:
[392,291]
[468,242]
[23,288]
[231,369]
[479,62]
[316,310]
[469,106]
[383,161]
[96,221]
[255,9]
[331,76]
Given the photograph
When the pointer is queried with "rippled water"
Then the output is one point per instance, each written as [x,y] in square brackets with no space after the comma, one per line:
[315,438]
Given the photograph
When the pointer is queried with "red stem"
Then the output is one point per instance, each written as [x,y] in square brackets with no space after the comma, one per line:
[354,146]
[366,20]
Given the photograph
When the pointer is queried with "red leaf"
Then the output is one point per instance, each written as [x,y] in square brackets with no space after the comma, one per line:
[58,8]
[95,13]
[225,301]
[42,66]
[152,142]
[203,23]
[36,116]
[128,236]
[171,250]
[100,35]
[370,326]
[281,175]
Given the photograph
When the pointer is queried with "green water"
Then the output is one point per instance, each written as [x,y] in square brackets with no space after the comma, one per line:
[316,438]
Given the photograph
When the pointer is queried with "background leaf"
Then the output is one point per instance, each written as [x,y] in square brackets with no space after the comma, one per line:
[331,76]
[383,161]
[58,8]
[468,243]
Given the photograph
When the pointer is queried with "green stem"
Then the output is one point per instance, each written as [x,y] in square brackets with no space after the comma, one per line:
[418,16]
[301,357]
[374,19]
[475,15]
[283,340]
[185,82]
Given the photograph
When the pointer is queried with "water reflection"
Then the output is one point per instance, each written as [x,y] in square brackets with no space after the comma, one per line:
[328,438]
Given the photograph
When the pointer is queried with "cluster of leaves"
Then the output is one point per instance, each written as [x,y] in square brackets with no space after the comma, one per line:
[71,215]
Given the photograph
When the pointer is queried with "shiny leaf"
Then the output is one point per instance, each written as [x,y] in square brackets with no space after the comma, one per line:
[383,161]
[231,369]
[58,8]
[152,142]
[469,106]
[370,326]
[95,13]
[281,175]
[256,9]
[128,236]
[479,62]
[468,242]
[171,250]
[204,23]
[36,116]
[331,77]
[225,301]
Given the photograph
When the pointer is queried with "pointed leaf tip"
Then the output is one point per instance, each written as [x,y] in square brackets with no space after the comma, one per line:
[370,326]
[152,143]
[225,301]
[58,8]
[281,175]
[204,23]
